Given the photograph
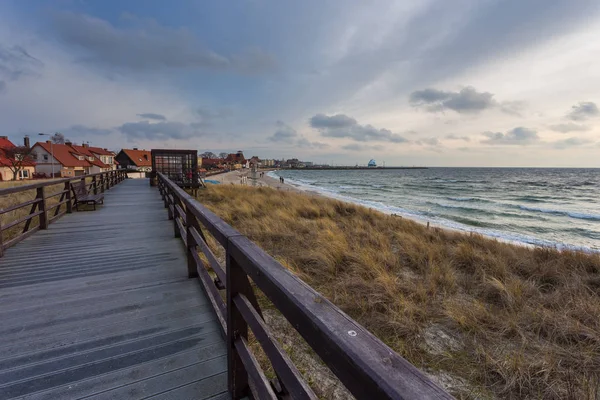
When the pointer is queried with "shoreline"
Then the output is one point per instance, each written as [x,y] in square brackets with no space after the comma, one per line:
[234,177]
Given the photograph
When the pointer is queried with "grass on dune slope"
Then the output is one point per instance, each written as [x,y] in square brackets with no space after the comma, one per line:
[506,321]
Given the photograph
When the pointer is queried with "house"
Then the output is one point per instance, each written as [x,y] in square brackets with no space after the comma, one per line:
[26,167]
[236,160]
[268,163]
[66,160]
[254,160]
[139,160]
[104,155]
[212,163]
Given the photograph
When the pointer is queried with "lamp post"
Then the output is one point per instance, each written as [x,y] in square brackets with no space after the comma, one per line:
[51,149]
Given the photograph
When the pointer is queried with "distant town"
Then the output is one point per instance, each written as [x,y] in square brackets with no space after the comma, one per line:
[60,158]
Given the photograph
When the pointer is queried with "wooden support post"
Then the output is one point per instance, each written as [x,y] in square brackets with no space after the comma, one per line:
[69,202]
[237,376]
[168,198]
[95,184]
[42,206]
[1,244]
[176,231]
[190,221]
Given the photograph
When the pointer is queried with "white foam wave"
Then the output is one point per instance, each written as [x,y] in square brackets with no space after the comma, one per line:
[571,214]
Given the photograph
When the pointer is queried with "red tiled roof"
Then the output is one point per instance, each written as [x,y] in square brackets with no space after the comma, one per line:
[101,151]
[5,143]
[236,157]
[140,158]
[87,151]
[4,159]
[64,154]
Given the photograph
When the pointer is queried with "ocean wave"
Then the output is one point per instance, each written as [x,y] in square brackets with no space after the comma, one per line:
[469,199]
[571,214]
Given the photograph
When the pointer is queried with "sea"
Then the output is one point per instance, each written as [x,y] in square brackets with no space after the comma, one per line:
[553,207]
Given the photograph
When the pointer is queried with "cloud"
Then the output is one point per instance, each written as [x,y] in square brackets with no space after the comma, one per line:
[158,130]
[322,121]
[343,126]
[284,133]
[305,143]
[76,131]
[517,136]
[467,100]
[15,63]
[147,45]
[454,137]
[361,147]
[157,117]
[583,111]
[512,107]
[571,142]
[568,127]
[428,141]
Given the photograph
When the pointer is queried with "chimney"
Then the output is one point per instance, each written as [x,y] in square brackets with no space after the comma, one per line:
[26,141]
[4,137]
[69,143]
[135,148]
[49,141]
[85,144]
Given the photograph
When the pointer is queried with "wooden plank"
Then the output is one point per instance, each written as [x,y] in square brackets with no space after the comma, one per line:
[364,364]
[286,371]
[212,293]
[20,205]
[21,220]
[212,260]
[261,388]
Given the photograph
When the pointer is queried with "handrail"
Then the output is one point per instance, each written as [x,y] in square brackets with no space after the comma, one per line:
[99,181]
[364,364]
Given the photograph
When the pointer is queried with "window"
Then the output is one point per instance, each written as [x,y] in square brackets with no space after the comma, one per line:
[45,157]
[81,158]
[91,158]
[34,156]
[24,174]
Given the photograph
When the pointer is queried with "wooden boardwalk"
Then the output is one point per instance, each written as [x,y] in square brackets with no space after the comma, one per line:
[99,306]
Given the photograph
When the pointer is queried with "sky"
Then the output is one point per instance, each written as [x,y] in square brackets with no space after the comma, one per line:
[413,82]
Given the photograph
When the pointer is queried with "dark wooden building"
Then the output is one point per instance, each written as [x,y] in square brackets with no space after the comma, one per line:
[180,166]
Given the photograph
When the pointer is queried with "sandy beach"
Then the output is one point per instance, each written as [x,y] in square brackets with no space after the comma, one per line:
[243,178]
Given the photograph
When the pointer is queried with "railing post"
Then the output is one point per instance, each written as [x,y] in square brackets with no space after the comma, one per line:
[237,376]
[1,244]
[42,206]
[169,202]
[176,202]
[190,221]
[69,200]
[95,184]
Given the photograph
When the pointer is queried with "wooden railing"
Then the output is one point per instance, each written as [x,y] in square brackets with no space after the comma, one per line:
[46,211]
[364,364]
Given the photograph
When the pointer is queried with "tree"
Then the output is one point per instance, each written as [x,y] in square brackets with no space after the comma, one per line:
[17,157]
[58,138]
[208,154]
[223,155]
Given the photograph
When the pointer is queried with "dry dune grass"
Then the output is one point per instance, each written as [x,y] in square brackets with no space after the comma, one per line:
[487,319]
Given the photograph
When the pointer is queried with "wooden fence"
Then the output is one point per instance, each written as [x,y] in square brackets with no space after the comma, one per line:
[362,362]
[47,212]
